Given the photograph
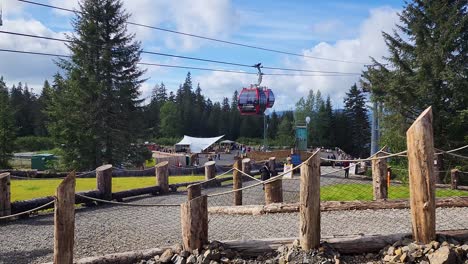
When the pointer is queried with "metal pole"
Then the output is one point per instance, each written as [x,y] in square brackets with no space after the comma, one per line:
[264,132]
[375,130]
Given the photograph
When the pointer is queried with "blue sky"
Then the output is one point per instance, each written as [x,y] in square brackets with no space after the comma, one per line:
[344,30]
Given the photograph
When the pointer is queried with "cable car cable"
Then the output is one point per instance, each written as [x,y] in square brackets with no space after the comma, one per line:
[186,57]
[178,66]
[206,38]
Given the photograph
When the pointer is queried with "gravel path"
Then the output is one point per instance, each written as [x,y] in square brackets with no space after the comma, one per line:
[109,229]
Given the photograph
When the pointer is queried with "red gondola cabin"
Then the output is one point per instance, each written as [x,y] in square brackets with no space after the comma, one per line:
[252,101]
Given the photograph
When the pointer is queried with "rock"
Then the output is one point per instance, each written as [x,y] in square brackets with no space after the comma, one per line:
[224,260]
[208,254]
[184,254]
[177,248]
[391,251]
[215,255]
[398,251]
[435,244]
[281,249]
[424,262]
[228,253]
[191,259]
[281,260]
[403,257]
[464,247]
[296,243]
[179,260]
[369,256]
[444,244]
[195,252]
[387,258]
[405,249]
[397,244]
[414,247]
[166,256]
[289,256]
[444,255]
[214,262]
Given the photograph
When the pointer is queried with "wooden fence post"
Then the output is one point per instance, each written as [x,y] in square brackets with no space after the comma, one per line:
[237,182]
[194,219]
[419,138]
[162,176]
[210,170]
[309,206]
[454,178]
[379,179]
[274,191]
[193,191]
[272,165]
[104,181]
[64,221]
[5,195]
[246,168]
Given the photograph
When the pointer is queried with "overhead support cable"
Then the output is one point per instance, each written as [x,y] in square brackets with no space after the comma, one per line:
[190,58]
[208,38]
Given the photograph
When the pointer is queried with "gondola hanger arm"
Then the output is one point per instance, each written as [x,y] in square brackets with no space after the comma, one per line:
[259,67]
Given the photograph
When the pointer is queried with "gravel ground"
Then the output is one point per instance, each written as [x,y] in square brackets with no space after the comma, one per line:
[109,229]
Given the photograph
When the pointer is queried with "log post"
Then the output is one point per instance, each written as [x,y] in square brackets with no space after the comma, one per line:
[104,181]
[193,191]
[309,208]
[454,178]
[274,191]
[272,165]
[5,195]
[194,223]
[210,170]
[237,182]
[246,168]
[64,221]
[162,176]
[419,138]
[379,179]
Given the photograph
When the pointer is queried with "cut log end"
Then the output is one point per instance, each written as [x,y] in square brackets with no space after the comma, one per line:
[161,164]
[4,175]
[104,167]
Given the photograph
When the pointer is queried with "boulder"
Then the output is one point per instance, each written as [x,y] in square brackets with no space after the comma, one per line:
[444,255]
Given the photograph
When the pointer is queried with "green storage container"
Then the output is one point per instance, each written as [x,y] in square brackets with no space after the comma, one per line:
[39,161]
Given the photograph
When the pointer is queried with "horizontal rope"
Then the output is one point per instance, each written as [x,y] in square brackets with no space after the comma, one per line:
[27,212]
[263,182]
[126,204]
[366,159]
[245,174]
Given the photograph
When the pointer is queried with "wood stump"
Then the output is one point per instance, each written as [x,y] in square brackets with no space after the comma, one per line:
[274,192]
[194,223]
[419,138]
[104,181]
[162,176]
[64,221]
[379,179]
[5,195]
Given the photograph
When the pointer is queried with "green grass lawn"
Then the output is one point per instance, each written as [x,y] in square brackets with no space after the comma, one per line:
[363,192]
[29,189]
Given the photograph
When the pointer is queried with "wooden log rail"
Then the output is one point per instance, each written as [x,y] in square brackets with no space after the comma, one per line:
[331,206]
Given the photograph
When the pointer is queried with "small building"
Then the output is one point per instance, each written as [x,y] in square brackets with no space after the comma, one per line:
[39,161]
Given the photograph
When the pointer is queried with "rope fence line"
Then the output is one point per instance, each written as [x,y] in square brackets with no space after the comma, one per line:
[451,154]
[366,159]
[28,211]
[272,179]
[245,174]
[126,204]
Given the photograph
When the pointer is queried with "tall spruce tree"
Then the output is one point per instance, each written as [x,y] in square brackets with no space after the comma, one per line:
[99,104]
[7,126]
[427,66]
[359,128]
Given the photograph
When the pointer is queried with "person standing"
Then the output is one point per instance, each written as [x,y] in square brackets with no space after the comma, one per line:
[346,170]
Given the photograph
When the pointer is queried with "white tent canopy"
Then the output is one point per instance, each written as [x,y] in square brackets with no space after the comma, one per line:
[197,145]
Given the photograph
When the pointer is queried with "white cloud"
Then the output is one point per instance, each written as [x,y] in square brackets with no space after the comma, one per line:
[368,42]
[210,18]
[29,68]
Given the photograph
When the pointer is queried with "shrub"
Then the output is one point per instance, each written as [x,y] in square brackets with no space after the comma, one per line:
[33,143]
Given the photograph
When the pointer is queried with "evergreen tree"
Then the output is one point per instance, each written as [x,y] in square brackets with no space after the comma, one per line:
[359,128]
[7,126]
[427,66]
[96,114]
[170,127]
[235,117]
